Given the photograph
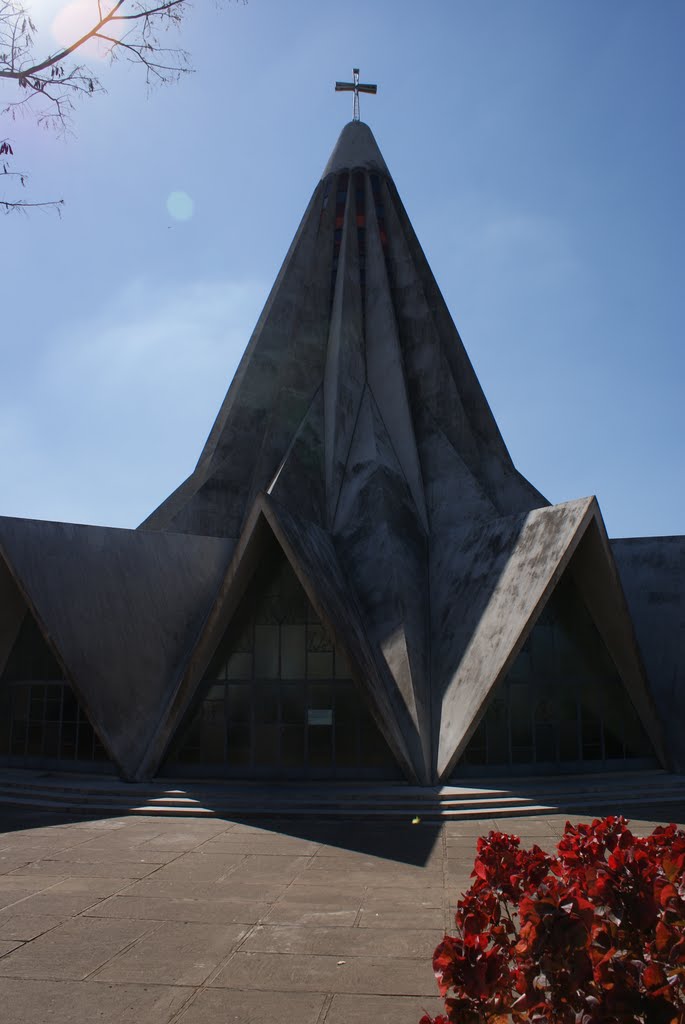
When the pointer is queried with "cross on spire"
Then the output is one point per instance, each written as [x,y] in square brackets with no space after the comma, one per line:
[356,87]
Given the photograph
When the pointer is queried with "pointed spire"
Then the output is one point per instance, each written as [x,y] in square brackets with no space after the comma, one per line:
[355,149]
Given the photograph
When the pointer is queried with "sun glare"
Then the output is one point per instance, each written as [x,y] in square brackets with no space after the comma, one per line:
[62,22]
[75,19]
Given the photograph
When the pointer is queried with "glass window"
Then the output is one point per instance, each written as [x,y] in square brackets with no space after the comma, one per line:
[266,643]
[342,667]
[267,702]
[239,704]
[292,746]
[346,745]
[266,744]
[293,704]
[238,747]
[293,644]
[320,665]
[297,712]
[320,743]
[239,666]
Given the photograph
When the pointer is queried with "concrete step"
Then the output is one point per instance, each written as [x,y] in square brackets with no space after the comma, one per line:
[499,798]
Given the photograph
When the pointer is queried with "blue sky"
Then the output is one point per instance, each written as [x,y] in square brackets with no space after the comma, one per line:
[538,147]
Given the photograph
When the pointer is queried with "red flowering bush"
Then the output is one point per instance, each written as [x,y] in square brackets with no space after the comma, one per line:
[593,935]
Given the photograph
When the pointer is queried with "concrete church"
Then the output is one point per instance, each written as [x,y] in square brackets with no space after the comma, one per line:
[355,582]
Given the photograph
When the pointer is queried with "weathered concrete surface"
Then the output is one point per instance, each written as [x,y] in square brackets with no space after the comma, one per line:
[370,429]
[652,571]
[121,610]
[356,432]
[311,553]
[279,373]
[356,147]
[594,571]
[385,364]
[304,924]
[13,608]
[345,375]
[490,586]
[378,321]
[386,549]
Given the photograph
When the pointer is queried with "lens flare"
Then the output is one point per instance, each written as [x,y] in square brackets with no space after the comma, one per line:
[180,205]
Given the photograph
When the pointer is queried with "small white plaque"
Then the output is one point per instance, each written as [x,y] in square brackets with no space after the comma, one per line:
[320,716]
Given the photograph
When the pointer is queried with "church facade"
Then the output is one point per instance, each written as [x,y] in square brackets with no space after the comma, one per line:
[355,582]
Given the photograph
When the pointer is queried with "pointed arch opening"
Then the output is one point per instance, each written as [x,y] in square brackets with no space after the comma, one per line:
[562,706]
[278,699]
[42,722]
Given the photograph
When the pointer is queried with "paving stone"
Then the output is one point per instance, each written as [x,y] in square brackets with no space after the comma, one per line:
[230,1007]
[88,853]
[473,827]
[307,916]
[305,973]
[342,941]
[180,909]
[11,862]
[406,918]
[72,950]
[355,1009]
[33,882]
[241,828]
[85,1002]
[96,887]
[251,892]
[57,904]
[182,906]
[17,923]
[105,824]
[323,899]
[174,954]
[28,849]
[393,897]
[278,868]
[7,947]
[318,874]
[277,846]
[200,867]
[9,896]
[464,843]
[104,869]
[346,884]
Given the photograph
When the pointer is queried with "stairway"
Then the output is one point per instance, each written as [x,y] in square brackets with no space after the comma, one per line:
[99,795]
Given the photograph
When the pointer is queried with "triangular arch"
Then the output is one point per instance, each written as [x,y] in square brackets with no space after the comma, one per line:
[121,610]
[276,541]
[42,721]
[562,706]
[508,592]
[278,699]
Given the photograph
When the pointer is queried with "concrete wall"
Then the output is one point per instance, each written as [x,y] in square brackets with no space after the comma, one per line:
[652,571]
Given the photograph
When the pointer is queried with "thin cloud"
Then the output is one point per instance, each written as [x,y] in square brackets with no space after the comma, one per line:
[130,395]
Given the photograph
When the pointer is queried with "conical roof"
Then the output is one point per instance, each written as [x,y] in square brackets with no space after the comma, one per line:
[355,414]
[355,307]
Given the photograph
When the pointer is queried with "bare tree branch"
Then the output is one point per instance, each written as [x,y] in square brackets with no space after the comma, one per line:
[48,86]
[10,205]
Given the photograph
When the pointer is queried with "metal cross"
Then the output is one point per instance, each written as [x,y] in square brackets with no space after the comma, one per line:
[356,87]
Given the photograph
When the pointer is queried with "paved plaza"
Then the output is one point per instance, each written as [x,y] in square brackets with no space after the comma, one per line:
[141,920]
